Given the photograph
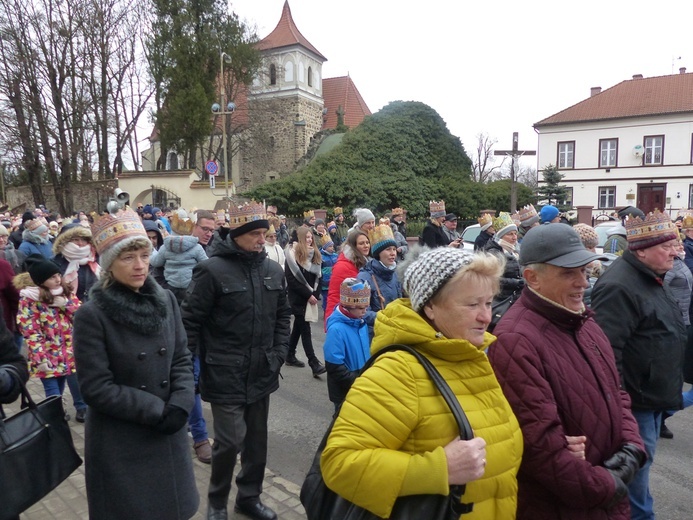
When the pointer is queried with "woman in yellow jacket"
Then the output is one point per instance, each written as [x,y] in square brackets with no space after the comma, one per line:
[395,435]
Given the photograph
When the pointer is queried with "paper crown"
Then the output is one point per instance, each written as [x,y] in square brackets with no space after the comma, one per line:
[354,292]
[338,211]
[272,209]
[110,230]
[397,211]
[437,208]
[485,221]
[325,240]
[381,236]
[528,215]
[503,223]
[516,218]
[683,212]
[654,229]
[271,230]
[181,226]
[687,222]
[308,214]
[385,221]
[248,212]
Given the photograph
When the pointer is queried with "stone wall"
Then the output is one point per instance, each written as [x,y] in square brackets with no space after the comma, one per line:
[87,196]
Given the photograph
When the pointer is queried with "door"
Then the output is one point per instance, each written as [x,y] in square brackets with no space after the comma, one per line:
[651,197]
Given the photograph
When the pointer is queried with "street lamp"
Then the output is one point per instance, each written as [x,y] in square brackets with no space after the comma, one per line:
[227,110]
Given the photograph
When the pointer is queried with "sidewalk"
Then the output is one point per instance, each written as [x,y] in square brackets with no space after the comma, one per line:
[69,500]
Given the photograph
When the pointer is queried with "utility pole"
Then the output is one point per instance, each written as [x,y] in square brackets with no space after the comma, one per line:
[514,155]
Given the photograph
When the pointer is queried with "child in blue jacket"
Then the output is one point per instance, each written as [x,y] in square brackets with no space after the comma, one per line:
[329,258]
[347,344]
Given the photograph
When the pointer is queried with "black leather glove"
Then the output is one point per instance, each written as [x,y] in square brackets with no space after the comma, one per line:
[172,420]
[6,381]
[626,462]
[621,490]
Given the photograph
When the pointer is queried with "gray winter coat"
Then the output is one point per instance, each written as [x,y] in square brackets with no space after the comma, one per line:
[178,256]
[132,358]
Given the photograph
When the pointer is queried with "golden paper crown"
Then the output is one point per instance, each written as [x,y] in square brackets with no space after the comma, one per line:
[437,208]
[527,213]
[354,292]
[654,229]
[324,240]
[687,222]
[397,211]
[502,221]
[271,230]
[385,221]
[108,230]
[337,211]
[308,214]
[684,212]
[181,226]
[485,219]
[248,212]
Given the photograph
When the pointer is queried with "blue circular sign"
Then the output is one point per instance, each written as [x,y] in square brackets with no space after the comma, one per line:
[211,167]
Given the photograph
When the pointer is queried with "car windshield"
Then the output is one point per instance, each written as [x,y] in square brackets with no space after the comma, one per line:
[470,234]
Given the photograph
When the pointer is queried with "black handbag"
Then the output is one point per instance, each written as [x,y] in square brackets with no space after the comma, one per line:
[36,453]
[321,503]
[498,309]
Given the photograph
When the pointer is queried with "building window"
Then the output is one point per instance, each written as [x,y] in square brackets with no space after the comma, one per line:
[654,149]
[608,151]
[172,161]
[310,76]
[568,199]
[566,154]
[273,74]
[691,155]
[690,195]
[607,197]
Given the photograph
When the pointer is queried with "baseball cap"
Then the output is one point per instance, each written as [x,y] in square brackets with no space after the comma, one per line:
[557,244]
[450,217]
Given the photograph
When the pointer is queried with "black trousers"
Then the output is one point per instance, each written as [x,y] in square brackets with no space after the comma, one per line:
[238,429]
[301,330]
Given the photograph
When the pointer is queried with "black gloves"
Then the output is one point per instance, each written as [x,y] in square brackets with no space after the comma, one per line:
[6,381]
[621,491]
[626,462]
[172,420]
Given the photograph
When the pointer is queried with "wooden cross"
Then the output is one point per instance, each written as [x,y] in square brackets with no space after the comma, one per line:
[514,154]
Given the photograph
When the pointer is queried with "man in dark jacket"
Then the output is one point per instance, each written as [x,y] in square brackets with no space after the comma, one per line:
[237,319]
[12,366]
[557,370]
[433,235]
[486,232]
[643,322]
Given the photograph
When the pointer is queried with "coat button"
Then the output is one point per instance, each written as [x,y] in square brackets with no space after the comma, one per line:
[143,387]
[142,355]
[162,351]
[164,384]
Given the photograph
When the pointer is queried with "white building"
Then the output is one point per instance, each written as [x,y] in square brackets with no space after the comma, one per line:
[629,145]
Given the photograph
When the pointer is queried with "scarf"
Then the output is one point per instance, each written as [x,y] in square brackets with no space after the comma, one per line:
[508,247]
[308,266]
[77,256]
[32,293]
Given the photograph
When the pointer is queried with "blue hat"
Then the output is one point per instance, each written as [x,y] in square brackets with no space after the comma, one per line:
[148,209]
[548,213]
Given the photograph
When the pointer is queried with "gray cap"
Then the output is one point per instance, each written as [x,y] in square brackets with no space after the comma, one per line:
[557,244]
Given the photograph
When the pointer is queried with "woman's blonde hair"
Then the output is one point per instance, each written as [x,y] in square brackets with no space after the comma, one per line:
[301,247]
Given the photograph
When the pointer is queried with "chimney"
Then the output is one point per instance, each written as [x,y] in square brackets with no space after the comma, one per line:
[595,90]
[637,76]
[682,70]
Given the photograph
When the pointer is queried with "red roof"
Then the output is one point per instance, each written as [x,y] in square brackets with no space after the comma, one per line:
[637,97]
[286,34]
[342,92]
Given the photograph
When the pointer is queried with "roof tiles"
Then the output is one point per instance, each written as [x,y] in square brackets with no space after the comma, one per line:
[286,34]
[342,92]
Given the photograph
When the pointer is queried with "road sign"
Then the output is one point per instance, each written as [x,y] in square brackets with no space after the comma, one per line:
[212,168]
[212,181]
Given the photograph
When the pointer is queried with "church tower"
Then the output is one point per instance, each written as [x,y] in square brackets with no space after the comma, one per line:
[285,103]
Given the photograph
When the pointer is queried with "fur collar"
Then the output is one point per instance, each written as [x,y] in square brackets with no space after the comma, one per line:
[142,311]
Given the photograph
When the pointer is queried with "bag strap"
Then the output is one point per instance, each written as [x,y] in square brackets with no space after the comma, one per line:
[466,432]
[377,288]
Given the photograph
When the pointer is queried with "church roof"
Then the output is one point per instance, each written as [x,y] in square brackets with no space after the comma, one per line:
[637,97]
[342,92]
[286,34]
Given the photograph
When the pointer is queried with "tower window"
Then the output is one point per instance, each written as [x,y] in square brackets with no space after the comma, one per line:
[273,74]
[310,76]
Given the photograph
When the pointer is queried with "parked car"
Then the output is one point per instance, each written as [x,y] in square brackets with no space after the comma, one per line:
[469,236]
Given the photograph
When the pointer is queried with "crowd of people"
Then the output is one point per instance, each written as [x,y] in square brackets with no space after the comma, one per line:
[144,315]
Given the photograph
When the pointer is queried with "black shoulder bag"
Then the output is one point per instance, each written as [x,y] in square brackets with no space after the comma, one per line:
[321,503]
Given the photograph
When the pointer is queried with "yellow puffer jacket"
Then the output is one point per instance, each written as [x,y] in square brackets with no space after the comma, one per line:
[388,439]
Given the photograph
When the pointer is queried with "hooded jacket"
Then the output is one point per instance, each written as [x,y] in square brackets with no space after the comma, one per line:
[32,244]
[557,369]
[178,256]
[237,320]
[389,436]
[86,277]
[344,268]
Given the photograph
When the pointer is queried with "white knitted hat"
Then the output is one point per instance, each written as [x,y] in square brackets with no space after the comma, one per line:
[363,215]
[425,271]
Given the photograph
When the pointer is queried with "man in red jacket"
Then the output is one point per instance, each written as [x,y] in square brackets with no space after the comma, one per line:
[557,370]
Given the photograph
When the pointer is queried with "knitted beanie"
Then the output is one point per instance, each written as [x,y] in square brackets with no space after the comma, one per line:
[548,213]
[40,268]
[587,235]
[363,215]
[425,271]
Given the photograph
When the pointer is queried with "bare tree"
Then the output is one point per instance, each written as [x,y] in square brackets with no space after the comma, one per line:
[484,168]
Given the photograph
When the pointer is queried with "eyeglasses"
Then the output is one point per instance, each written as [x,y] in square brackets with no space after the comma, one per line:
[206,229]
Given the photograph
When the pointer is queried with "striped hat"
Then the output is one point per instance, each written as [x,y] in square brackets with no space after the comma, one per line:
[111,234]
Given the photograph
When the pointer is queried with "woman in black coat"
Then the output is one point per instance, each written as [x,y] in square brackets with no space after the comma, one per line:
[12,365]
[303,275]
[135,372]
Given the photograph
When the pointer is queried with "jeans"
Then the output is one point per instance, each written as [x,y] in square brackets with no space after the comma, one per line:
[641,503]
[77,399]
[196,421]
[53,385]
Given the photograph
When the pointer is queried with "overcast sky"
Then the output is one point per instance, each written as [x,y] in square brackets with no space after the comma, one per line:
[495,66]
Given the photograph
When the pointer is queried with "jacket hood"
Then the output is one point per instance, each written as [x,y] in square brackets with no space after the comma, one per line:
[374,266]
[22,281]
[399,323]
[150,225]
[181,243]
[69,232]
[338,317]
